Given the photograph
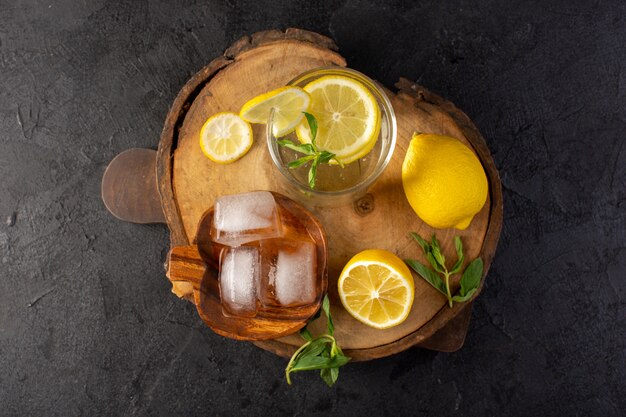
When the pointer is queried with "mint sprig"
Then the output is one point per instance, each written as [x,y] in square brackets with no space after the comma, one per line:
[320,353]
[310,150]
[470,280]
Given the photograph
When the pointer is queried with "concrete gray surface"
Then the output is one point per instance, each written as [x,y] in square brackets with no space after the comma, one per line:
[87,323]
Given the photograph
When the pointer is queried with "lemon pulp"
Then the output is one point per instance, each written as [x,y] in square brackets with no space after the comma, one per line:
[347,114]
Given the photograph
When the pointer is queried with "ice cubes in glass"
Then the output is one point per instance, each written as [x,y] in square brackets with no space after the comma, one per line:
[288,272]
[246,217]
[238,278]
[267,258]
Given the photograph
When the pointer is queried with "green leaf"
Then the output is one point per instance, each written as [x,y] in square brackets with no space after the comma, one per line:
[312,126]
[463,298]
[305,148]
[326,308]
[457,265]
[310,363]
[325,157]
[458,244]
[436,251]
[306,334]
[471,277]
[435,243]
[423,243]
[327,349]
[339,360]
[300,161]
[330,376]
[433,262]
[313,173]
[314,348]
[428,274]
[321,353]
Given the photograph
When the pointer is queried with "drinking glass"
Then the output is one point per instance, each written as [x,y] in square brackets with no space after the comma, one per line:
[335,185]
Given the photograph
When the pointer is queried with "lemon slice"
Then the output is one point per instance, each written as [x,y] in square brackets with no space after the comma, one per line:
[377,288]
[348,117]
[288,103]
[225,137]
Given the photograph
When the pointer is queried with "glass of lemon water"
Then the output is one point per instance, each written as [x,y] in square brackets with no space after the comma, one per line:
[355,121]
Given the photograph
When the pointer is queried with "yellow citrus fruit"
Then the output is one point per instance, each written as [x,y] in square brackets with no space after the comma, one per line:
[348,117]
[443,180]
[377,288]
[288,103]
[225,137]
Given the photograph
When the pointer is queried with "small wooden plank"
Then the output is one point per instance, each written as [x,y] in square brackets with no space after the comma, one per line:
[129,187]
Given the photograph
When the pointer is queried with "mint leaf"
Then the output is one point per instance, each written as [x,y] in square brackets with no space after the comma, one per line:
[309,149]
[471,277]
[470,280]
[435,243]
[330,375]
[310,363]
[459,253]
[312,126]
[314,348]
[321,353]
[463,298]
[428,274]
[326,308]
[458,244]
[433,262]
[337,361]
[305,148]
[313,172]
[325,157]
[306,334]
[423,244]
[300,161]
[436,251]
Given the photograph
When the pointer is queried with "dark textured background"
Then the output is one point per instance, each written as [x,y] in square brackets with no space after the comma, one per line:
[88,325]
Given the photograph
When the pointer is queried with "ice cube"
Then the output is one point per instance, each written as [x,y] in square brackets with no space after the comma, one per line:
[239,274]
[288,272]
[246,217]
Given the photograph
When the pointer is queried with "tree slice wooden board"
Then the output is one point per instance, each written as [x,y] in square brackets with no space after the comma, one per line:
[189,183]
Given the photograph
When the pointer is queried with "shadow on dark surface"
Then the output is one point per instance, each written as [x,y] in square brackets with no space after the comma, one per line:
[87,322]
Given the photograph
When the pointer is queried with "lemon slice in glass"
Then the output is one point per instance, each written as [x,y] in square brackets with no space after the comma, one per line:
[348,117]
[225,137]
[288,103]
[377,288]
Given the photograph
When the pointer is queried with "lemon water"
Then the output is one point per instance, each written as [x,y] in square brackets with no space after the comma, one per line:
[332,177]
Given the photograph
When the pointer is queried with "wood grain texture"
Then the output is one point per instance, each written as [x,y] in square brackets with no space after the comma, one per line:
[260,63]
[198,266]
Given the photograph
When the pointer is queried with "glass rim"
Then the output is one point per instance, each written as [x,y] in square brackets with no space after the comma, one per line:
[382,162]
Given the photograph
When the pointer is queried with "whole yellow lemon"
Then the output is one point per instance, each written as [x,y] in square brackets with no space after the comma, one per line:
[443,180]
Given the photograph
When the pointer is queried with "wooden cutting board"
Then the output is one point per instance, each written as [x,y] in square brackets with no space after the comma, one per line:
[189,183]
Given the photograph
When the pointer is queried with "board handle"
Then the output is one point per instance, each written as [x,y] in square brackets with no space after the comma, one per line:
[129,187]
[450,337]
[185,270]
